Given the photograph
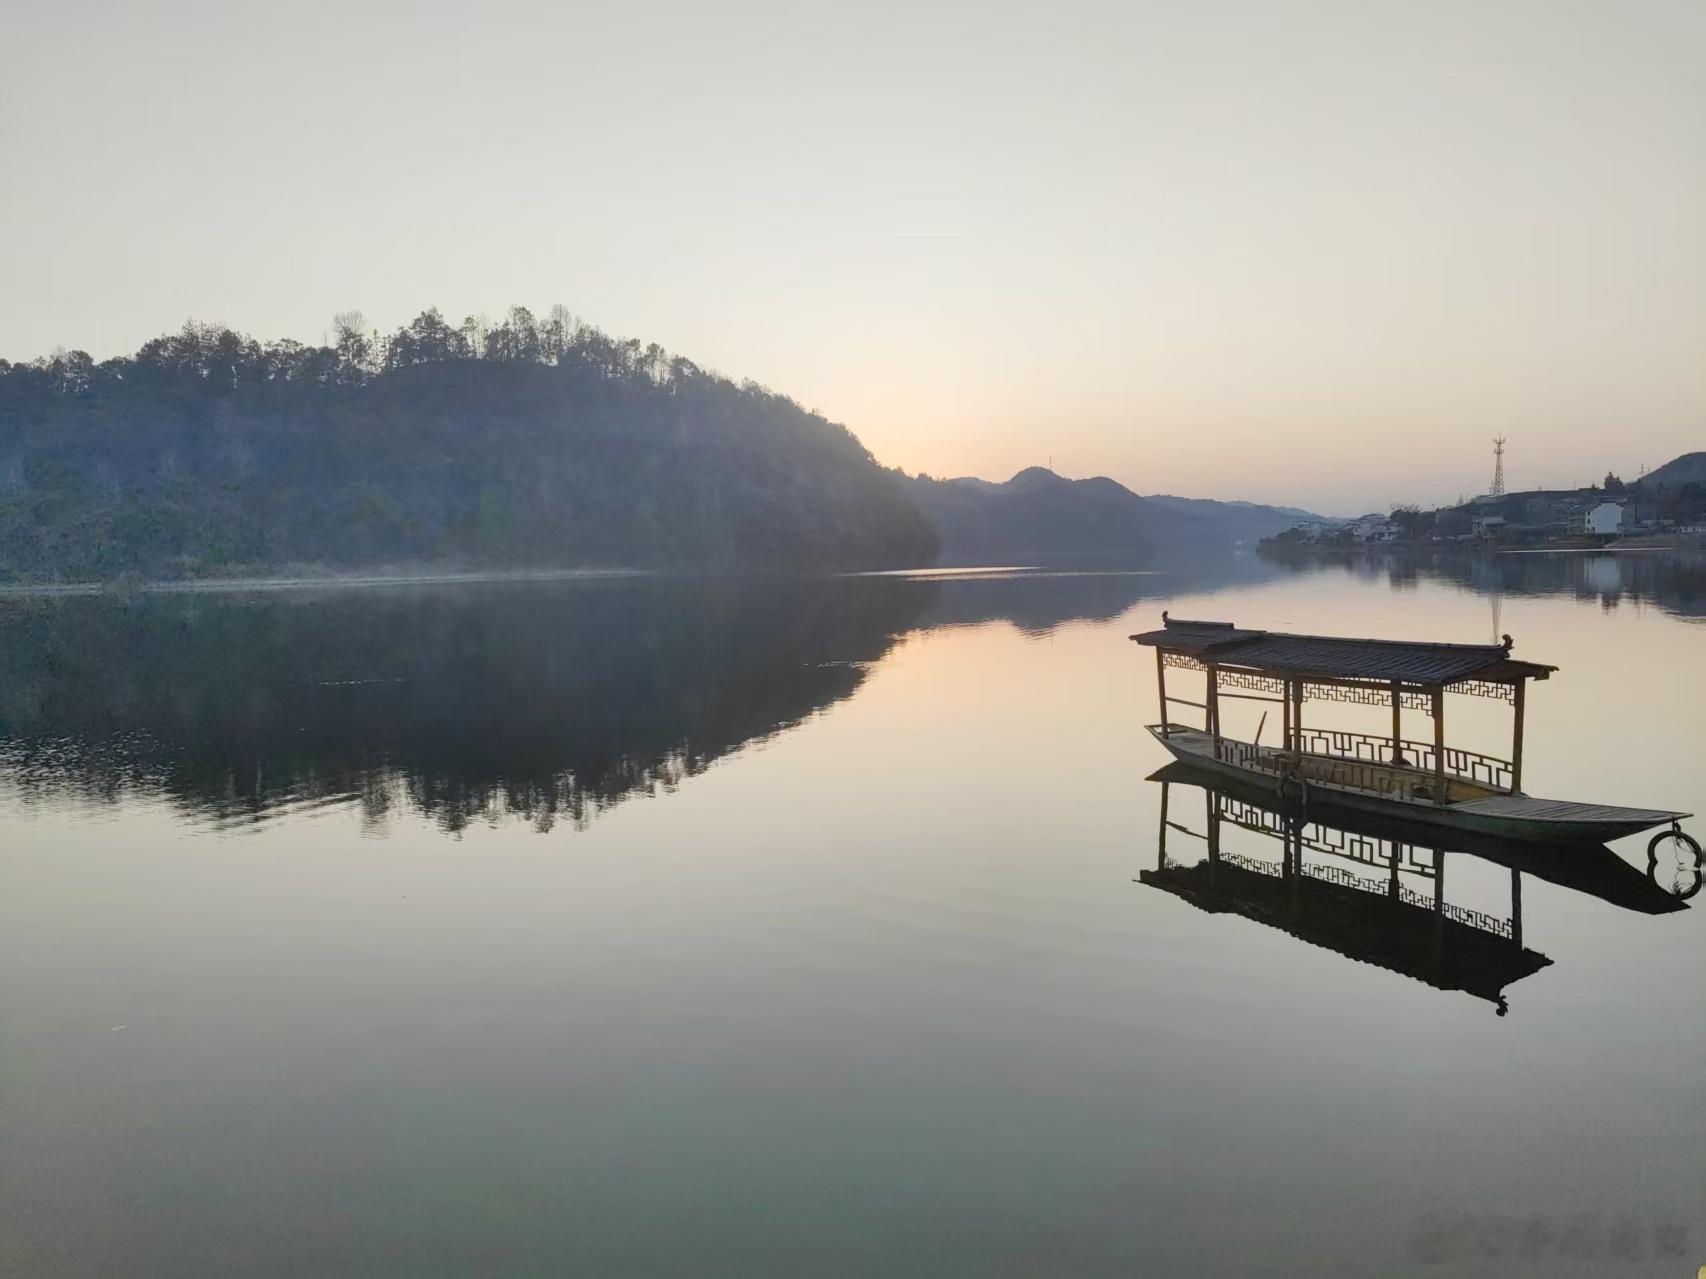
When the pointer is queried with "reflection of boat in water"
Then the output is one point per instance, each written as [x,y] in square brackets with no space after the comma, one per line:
[1428,783]
[1351,888]
[1591,869]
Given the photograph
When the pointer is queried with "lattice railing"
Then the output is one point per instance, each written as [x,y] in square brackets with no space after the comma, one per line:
[1365,696]
[1246,754]
[1326,766]
[1348,879]
[1370,695]
[1255,683]
[1331,840]
[1357,694]
[1487,770]
[1497,689]
[1477,919]
[1253,863]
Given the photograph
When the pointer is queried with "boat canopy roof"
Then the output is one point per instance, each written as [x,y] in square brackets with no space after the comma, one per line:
[1335,657]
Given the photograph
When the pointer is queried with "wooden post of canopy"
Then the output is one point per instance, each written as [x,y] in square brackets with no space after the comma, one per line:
[1161,836]
[1211,711]
[1439,905]
[1397,727]
[1212,797]
[1297,719]
[1285,713]
[1294,859]
[1516,906]
[1439,744]
[1161,685]
[1516,738]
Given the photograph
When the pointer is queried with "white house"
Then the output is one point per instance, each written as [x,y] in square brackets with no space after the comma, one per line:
[1375,528]
[1604,517]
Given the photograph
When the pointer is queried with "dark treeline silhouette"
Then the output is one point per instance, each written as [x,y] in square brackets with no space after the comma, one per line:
[527,443]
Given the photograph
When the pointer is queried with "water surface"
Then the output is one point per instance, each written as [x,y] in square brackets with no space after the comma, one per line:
[669,926]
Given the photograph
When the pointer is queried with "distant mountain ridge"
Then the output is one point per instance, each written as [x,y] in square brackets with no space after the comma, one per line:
[1040,511]
[1217,508]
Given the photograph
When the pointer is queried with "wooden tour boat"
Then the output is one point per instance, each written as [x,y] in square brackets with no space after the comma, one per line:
[1426,783]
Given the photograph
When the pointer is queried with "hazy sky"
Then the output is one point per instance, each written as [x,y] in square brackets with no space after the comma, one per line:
[1308,252]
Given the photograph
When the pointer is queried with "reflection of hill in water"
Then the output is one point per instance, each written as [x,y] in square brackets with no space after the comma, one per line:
[1097,588]
[540,701]
[1036,604]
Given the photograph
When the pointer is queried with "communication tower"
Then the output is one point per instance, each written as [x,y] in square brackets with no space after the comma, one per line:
[1498,489]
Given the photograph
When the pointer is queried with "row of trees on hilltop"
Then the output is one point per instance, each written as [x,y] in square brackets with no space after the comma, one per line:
[528,442]
[227,360]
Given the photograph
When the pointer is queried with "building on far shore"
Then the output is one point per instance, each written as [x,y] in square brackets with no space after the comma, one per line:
[1374,527]
[1312,530]
[1604,517]
[1533,518]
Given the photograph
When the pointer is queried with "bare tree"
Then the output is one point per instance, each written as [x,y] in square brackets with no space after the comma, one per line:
[353,344]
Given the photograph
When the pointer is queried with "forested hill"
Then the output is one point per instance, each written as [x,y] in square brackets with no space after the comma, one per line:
[531,443]
[1690,468]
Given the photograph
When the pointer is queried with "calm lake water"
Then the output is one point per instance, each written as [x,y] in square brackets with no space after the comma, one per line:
[649,926]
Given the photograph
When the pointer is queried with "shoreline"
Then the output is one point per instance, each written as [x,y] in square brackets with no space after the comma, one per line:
[347,581]
[1484,549]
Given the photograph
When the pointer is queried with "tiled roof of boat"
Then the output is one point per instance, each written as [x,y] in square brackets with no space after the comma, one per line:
[1195,637]
[1333,656]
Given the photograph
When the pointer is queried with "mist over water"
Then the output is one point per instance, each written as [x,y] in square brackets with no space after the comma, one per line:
[767,925]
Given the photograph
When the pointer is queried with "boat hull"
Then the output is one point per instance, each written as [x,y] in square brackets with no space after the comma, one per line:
[1511,817]
[1589,868]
